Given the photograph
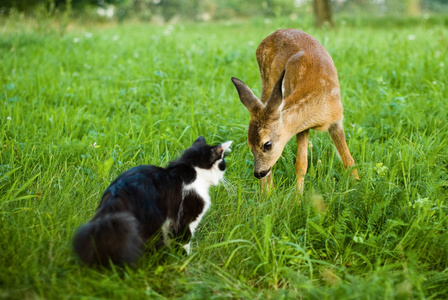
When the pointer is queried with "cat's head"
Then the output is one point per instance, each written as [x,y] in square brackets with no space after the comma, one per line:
[208,161]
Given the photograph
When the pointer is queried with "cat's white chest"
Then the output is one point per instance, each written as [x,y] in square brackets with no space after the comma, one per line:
[200,186]
[204,179]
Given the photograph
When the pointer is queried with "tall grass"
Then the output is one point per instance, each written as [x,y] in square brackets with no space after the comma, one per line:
[80,108]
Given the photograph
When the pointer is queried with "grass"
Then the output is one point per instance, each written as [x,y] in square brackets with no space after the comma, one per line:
[80,108]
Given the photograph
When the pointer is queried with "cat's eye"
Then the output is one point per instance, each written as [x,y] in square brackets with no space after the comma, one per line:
[267,146]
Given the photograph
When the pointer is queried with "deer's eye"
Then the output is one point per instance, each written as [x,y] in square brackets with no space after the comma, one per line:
[267,146]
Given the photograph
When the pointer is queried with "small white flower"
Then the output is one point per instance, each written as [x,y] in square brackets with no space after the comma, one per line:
[205,17]
[411,37]
[115,38]
[8,118]
[168,30]
[358,239]
[434,82]
[380,169]
[108,12]
[136,55]
[75,40]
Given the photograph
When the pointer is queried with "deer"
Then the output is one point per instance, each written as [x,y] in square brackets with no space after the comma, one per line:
[300,91]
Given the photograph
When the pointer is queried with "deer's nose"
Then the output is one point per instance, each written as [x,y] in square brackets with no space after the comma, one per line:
[261,174]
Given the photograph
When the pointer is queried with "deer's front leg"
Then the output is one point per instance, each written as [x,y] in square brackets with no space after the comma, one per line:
[337,135]
[267,183]
[302,159]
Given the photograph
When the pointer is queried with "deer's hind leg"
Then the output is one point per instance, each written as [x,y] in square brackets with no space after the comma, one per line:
[302,159]
[337,135]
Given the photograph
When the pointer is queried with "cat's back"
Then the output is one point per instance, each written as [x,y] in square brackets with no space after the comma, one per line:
[140,179]
[149,193]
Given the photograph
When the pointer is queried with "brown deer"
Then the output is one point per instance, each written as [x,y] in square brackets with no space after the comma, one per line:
[300,91]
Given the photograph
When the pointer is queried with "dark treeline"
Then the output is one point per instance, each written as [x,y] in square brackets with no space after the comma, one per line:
[203,10]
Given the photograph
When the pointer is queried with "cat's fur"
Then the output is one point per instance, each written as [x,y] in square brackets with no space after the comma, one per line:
[152,202]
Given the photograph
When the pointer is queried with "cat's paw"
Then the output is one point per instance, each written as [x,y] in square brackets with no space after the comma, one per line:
[187,248]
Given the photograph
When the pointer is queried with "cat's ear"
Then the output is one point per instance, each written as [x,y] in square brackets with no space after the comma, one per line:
[200,141]
[221,149]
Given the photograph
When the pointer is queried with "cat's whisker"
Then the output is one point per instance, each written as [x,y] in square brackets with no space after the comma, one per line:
[228,186]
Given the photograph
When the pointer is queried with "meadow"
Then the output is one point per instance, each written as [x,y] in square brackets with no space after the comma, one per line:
[79,108]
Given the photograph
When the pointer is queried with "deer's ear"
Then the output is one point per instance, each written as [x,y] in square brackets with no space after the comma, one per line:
[247,97]
[276,98]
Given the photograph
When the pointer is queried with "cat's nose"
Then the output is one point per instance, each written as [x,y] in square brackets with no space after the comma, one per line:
[261,174]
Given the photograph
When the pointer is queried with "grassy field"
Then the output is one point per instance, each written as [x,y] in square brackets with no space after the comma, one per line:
[78,109]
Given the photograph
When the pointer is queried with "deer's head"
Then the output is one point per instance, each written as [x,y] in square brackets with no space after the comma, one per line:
[266,138]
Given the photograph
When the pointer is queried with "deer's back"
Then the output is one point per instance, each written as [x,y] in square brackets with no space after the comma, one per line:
[308,65]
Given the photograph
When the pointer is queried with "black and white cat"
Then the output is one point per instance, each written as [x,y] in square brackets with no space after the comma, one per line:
[152,202]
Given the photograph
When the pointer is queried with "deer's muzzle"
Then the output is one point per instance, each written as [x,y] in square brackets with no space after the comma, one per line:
[261,174]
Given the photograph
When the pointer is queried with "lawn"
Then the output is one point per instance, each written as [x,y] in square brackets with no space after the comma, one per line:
[79,108]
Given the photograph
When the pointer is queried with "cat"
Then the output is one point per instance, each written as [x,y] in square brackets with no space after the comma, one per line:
[149,202]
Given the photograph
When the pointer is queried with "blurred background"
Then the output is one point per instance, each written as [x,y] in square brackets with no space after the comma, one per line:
[322,12]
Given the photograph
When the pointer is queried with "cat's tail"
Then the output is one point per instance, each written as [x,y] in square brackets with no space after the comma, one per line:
[112,237]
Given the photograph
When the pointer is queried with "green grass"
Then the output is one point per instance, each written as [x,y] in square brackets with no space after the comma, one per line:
[78,109]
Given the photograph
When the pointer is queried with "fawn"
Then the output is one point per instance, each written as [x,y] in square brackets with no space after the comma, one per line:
[300,91]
